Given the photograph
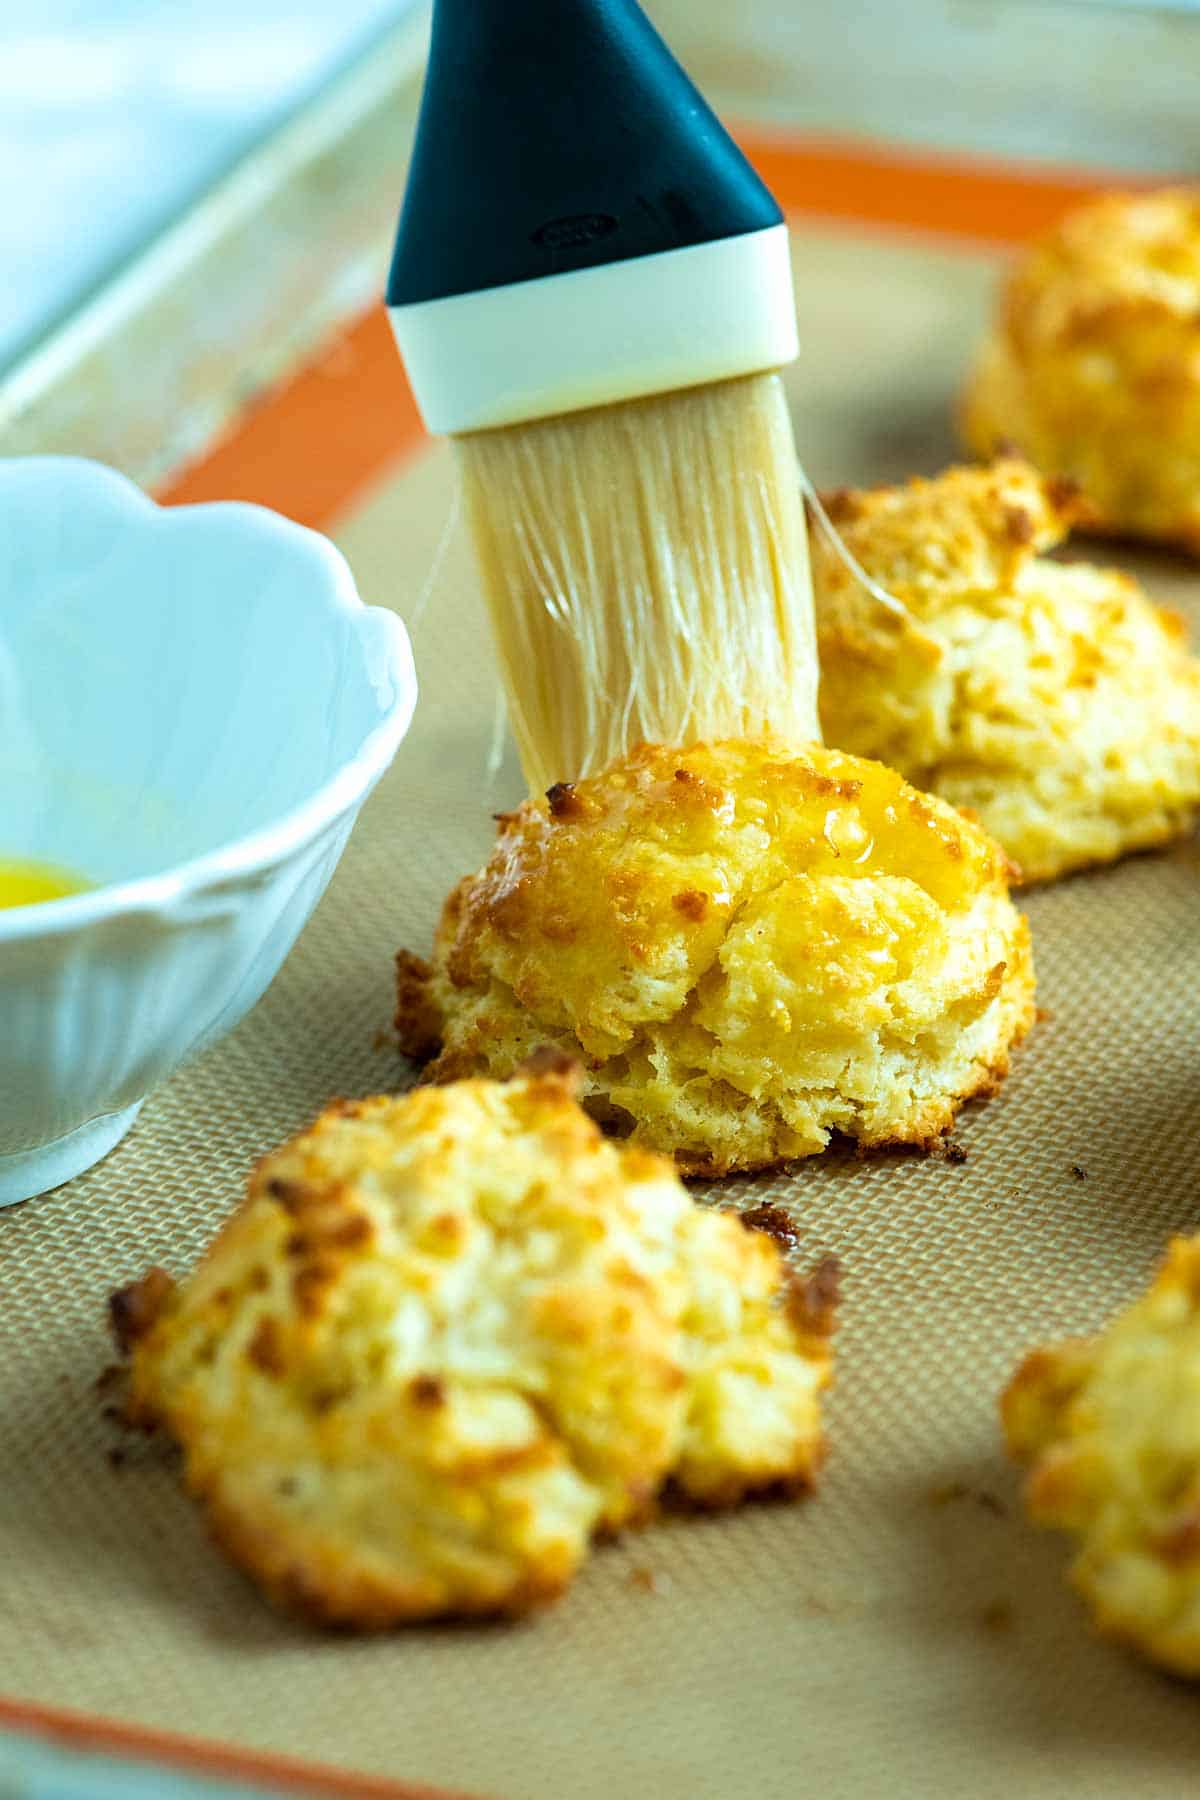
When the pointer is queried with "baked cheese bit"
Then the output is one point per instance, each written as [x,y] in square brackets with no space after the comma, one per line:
[450,1336]
[1110,1429]
[1090,368]
[748,945]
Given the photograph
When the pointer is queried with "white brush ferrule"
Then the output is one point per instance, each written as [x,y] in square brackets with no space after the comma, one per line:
[592,337]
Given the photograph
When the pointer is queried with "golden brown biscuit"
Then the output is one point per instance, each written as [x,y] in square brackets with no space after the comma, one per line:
[449,1336]
[1092,367]
[1110,1427]
[1054,701]
[750,946]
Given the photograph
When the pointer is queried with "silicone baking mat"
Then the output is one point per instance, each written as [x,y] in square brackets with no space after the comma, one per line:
[901,1633]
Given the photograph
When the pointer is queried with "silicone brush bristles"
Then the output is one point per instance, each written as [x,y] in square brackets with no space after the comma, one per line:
[646,568]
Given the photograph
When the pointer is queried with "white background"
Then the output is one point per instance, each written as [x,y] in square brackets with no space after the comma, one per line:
[114,114]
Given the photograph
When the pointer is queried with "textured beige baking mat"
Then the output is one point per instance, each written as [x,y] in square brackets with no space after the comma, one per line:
[902,1633]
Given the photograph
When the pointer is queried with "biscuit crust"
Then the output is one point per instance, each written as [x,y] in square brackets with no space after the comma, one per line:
[451,1336]
[1054,701]
[748,945]
[1090,368]
[1110,1429]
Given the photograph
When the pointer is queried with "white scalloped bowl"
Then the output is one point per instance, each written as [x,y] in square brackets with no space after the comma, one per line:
[194,704]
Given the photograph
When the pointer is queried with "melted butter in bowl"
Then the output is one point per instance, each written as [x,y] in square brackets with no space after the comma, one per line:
[125,630]
[26,883]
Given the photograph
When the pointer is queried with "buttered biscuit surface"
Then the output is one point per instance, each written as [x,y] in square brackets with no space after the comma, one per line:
[1054,700]
[749,945]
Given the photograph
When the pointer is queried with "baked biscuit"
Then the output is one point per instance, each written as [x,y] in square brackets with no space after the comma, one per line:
[1092,367]
[451,1335]
[1110,1427]
[1053,700]
[749,945]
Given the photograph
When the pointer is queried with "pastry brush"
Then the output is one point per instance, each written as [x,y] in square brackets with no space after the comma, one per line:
[592,294]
